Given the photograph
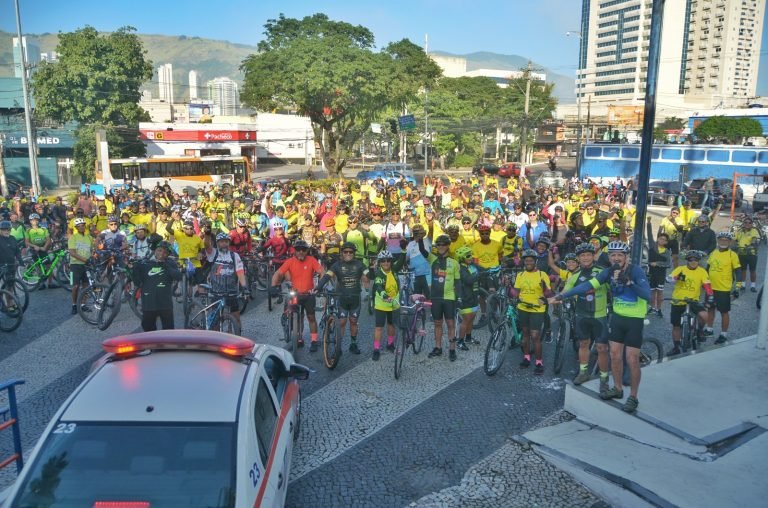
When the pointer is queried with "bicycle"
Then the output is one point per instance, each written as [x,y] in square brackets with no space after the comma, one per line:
[91,298]
[292,321]
[122,287]
[497,344]
[19,290]
[412,320]
[691,329]
[187,276]
[35,272]
[565,329]
[333,335]
[11,313]
[372,258]
[215,314]
[496,302]
[485,294]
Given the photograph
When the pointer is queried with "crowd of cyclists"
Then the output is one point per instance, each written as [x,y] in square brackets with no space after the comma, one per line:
[453,236]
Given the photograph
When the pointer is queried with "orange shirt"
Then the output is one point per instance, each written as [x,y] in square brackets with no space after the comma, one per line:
[301,272]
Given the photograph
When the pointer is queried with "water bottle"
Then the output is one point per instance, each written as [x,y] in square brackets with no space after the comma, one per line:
[190,268]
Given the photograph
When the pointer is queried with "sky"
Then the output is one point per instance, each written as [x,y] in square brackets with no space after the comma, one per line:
[530,28]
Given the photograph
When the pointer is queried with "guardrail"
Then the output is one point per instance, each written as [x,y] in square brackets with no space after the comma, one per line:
[9,418]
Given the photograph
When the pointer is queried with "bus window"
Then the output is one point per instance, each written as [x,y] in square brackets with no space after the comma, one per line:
[762,156]
[718,155]
[655,153]
[118,173]
[611,151]
[630,153]
[594,151]
[671,154]
[693,155]
[143,169]
[747,156]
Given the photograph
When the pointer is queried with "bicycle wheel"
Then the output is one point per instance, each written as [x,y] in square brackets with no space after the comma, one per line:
[134,302]
[495,313]
[197,319]
[31,274]
[61,275]
[260,276]
[21,293]
[563,335]
[371,299]
[494,351]
[269,285]
[243,303]
[401,344]
[457,319]
[89,302]
[186,301]
[651,351]
[110,307]
[10,312]
[419,330]
[685,334]
[227,324]
[331,342]
[296,333]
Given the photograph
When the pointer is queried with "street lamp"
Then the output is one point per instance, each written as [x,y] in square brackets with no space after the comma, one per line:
[576,33]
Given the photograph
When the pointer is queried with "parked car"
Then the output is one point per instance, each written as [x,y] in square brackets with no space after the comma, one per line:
[665,192]
[394,166]
[510,170]
[391,177]
[551,178]
[760,199]
[723,190]
[171,418]
[485,168]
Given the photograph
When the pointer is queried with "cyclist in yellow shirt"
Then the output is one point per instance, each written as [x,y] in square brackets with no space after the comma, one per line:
[724,267]
[747,238]
[457,241]
[689,281]
[190,247]
[468,232]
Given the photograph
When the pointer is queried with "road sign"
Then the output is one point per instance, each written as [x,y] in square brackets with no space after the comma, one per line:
[407,122]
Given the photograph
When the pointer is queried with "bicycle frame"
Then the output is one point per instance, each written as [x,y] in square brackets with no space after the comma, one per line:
[46,268]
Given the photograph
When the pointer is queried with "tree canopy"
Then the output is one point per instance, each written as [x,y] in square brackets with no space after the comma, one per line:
[328,71]
[728,129]
[96,83]
[669,124]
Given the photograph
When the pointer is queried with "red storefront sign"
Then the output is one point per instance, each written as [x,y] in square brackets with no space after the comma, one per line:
[208,136]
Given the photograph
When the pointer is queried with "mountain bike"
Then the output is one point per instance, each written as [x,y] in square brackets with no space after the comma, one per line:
[91,298]
[122,288]
[691,329]
[489,274]
[411,320]
[496,302]
[19,289]
[292,321]
[11,313]
[497,344]
[333,335]
[35,272]
[565,329]
[215,313]
[187,277]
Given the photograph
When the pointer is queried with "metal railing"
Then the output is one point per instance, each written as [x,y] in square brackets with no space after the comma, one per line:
[9,418]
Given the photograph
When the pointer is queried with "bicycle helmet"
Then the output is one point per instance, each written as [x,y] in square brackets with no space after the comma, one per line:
[615,232]
[430,211]
[499,221]
[6,224]
[442,240]
[703,218]
[34,216]
[585,247]
[569,257]
[463,253]
[545,240]
[349,246]
[529,253]
[483,227]
[300,244]
[140,226]
[330,221]
[164,245]
[694,254]
[618,247]
[189,224]
[706,210]
[384,255]
[511,226]
[418,228]
[78,222]
[222,236]
[724,234]
[466,220]
[241,222]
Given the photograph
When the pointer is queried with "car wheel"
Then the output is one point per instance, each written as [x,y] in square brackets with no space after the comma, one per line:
[670,200]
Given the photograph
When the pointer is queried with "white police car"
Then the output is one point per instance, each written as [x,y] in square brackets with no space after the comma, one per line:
[173,418]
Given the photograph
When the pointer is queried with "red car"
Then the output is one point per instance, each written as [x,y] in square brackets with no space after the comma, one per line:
[511,169]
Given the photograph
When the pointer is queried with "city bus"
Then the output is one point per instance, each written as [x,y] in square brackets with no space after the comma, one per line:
[180,172]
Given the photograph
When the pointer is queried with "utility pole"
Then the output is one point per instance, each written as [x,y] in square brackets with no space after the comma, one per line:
[524,135]
[426,113]
[31,140]
[3,182]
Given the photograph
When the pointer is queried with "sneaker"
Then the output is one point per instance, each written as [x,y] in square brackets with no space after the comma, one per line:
[674,351]
[376,354]
[753,289]
[583,377]
[301,342]
[438,351]
[279,299]
[463,345]
[525,363]
[708,333]
[539,368]
[354,349]
[475,340]
[651,310]
[603,387]
[313,346]
[391,347]
[452,355]
[612,393]
[631,404]
[659,313]
[74,310]
[722,339]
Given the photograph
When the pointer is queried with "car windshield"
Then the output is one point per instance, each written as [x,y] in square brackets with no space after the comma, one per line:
[160,465]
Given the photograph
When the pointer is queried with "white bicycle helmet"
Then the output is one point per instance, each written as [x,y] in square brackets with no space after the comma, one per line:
[618,247]
[79,221]
[385,254]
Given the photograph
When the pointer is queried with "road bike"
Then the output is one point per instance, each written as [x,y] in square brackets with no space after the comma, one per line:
[333,335]
[411,329]
[36,272]
[215,313]
[123,288]
[496,301]
[497,346]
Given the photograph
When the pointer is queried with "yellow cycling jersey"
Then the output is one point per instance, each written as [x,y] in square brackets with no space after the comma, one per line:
[691,286]
[511,245]
[531,286]
[487,255]
[189,246]
[455,245]
[470,236]
[745,239]
[721,265]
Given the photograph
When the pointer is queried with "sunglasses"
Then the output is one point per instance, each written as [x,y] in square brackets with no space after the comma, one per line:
[301,249]
[385,261]
[347,252]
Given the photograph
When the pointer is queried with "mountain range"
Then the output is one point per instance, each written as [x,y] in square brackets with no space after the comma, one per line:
[215,58]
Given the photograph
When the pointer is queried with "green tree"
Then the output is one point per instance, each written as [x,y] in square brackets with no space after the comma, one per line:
[96,83]
[669,124]
[328,71]
[728,129]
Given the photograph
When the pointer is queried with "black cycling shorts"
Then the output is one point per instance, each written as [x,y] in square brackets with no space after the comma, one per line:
[444,309]
[384,317]
[677,312]
[722,301]
[78,275]
[626,330]
[674,246]
[308,302]
[592,328]
[531,320]
[748,261]
[420,286]
[657,278]
[349,306]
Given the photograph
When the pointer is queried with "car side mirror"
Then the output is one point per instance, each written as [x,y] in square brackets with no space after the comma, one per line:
[298,371]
